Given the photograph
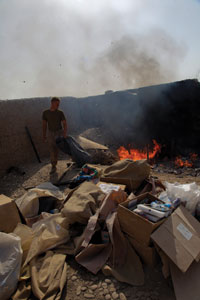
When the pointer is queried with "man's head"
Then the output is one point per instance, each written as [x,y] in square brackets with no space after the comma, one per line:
[55,102]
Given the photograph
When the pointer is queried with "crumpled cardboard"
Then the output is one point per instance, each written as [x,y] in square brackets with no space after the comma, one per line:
[124,263]
[8,208]
[179,238]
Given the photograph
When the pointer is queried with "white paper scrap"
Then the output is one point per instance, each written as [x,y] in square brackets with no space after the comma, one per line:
[107,188]
[184,231]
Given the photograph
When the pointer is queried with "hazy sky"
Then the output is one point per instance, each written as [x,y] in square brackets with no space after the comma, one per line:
[85,47]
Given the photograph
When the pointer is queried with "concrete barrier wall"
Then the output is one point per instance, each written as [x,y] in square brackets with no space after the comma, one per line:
[15,146]
[163,112]
[82,113]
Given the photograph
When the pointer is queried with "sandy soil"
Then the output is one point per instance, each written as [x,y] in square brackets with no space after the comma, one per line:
[81,284]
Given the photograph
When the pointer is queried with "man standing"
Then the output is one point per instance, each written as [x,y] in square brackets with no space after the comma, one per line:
[57,126]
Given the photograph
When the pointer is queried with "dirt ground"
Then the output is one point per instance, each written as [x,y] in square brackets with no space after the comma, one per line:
[81,284]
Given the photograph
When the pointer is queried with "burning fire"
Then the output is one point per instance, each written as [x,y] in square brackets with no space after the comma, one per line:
[136,154]
[185,163]
[180,163]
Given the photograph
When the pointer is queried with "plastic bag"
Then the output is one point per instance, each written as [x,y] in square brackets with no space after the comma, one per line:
[71,147]
[189,194]
[10,264]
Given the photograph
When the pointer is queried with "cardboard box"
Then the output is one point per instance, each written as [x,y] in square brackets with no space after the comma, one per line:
[186,285]
[9,215]
[179,238]
[134,225]
[107,187]
[148,255]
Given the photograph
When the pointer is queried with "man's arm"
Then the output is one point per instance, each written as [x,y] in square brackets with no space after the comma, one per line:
[44,126]
[64,123]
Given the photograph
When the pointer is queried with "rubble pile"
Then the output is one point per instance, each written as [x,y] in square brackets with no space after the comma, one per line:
[114,219]
[170,167]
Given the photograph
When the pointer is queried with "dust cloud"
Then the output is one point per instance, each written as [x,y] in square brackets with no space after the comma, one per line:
[50,48]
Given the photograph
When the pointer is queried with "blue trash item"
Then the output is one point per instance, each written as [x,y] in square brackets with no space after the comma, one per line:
[71,147]
[86,174]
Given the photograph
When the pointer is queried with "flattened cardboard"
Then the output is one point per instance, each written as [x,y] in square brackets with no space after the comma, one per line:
[186,285]
[117,186]
[179,238]
[148,255]
[9,215]
[134,225]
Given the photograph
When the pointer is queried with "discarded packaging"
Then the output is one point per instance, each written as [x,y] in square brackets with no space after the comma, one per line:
[109,187]
[29,203]
[8,208]
[83,203]
[179,238]
[135,225]
[186,285]
[10,264]
[71,147]
[189,194]
[128,172]
[148,254]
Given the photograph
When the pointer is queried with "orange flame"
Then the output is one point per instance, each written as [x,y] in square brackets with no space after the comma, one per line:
[185,163]
[136,154]
[180,163]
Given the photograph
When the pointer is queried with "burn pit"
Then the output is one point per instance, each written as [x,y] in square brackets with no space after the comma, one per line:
[159,123]
[164,127]
[153,154]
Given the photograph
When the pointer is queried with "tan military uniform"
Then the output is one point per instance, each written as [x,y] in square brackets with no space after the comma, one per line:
[54,120]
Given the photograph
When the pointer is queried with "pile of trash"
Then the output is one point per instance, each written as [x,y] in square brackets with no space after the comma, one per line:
[114,219]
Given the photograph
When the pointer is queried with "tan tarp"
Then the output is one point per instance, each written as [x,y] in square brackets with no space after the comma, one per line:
[28,204]
[23,292]
[48,234]
[26,235]
[49,241]
[52,233]
[48,275]
[128,171]
[83,203]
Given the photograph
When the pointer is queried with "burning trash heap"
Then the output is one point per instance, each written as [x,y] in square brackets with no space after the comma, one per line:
[114,219]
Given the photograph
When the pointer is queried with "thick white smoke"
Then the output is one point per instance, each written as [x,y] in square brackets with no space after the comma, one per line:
[84,47]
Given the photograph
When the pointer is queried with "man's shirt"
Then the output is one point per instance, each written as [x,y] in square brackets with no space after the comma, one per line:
[54,119]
